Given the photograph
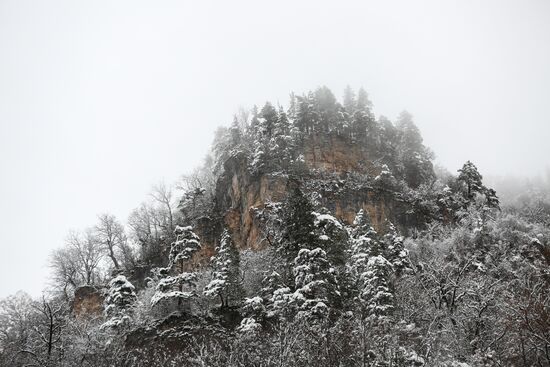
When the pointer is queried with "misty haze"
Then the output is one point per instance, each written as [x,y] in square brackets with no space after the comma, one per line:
[298,183]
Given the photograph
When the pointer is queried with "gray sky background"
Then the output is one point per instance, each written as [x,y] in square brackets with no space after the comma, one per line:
[99,100]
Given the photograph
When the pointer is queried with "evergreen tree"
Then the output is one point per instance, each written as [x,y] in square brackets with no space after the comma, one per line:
[262,132]
[277,297]
[471,179]
[236,133]
[388,144]
[226,280]
[282,145]
[119,302]
[328,110]
[332,237]
[254,311]
[269,118]
[348,111]
[317,289]
[175,283]
[395,251]
[385,179]
[282,126]
[363,102]
[186,245]
[377,295]
[349,101]
[292,107]
[364,124]
[254,128]
[414,157]
[260,157]
[364,245]
[361,224]
[298,226]
[305,115]
[225,142]
[172,290]
[491,199]
[410,135]
[377,304]
[270,283]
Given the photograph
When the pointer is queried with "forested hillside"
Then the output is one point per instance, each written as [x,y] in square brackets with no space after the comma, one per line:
[314,234]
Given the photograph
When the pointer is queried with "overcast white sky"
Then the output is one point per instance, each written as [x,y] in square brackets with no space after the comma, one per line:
[101,99]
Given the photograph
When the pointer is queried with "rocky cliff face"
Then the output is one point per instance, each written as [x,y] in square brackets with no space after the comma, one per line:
[331,161]
[88,301]
[336,153]
[239,194]
[381,206]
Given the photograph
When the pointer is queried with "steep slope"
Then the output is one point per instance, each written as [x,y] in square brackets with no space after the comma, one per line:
[339,172]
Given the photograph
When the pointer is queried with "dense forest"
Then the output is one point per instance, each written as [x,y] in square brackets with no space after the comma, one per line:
[314,234]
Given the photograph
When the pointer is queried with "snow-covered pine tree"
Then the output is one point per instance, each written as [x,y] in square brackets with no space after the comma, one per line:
[374,300]
[349,101]
[176,285]
[377,295]
[119,302]
[305,115]
[254,312]
[364,244]
[385,180]
[363,121]
[317,290]
[268,121]
[260,135]
[394,250]
[491,199]
[291,112]
[281,145]
[328,110]
[254,127]
[388,143]
[361,222]
[298,225]
[363,102]
[283,126]
[270,283]
[374,261]
[227,141]
[470,177]
[226,283]
[235,133]
[332,237]
[185,246]
[282,304]
[413,155]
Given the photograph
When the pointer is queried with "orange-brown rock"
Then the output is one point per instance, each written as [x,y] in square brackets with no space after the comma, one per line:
[337,153]
[239,193]
[330,160]
[88,302]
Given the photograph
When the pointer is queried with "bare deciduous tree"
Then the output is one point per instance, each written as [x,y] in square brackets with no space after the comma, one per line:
[78,262]
[15,314]
[110,234]
[162,195]
[87,250]
[146,230]
[48,325]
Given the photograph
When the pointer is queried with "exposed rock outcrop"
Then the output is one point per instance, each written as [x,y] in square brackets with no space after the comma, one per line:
[88,301]
[239,193]
[336,153]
